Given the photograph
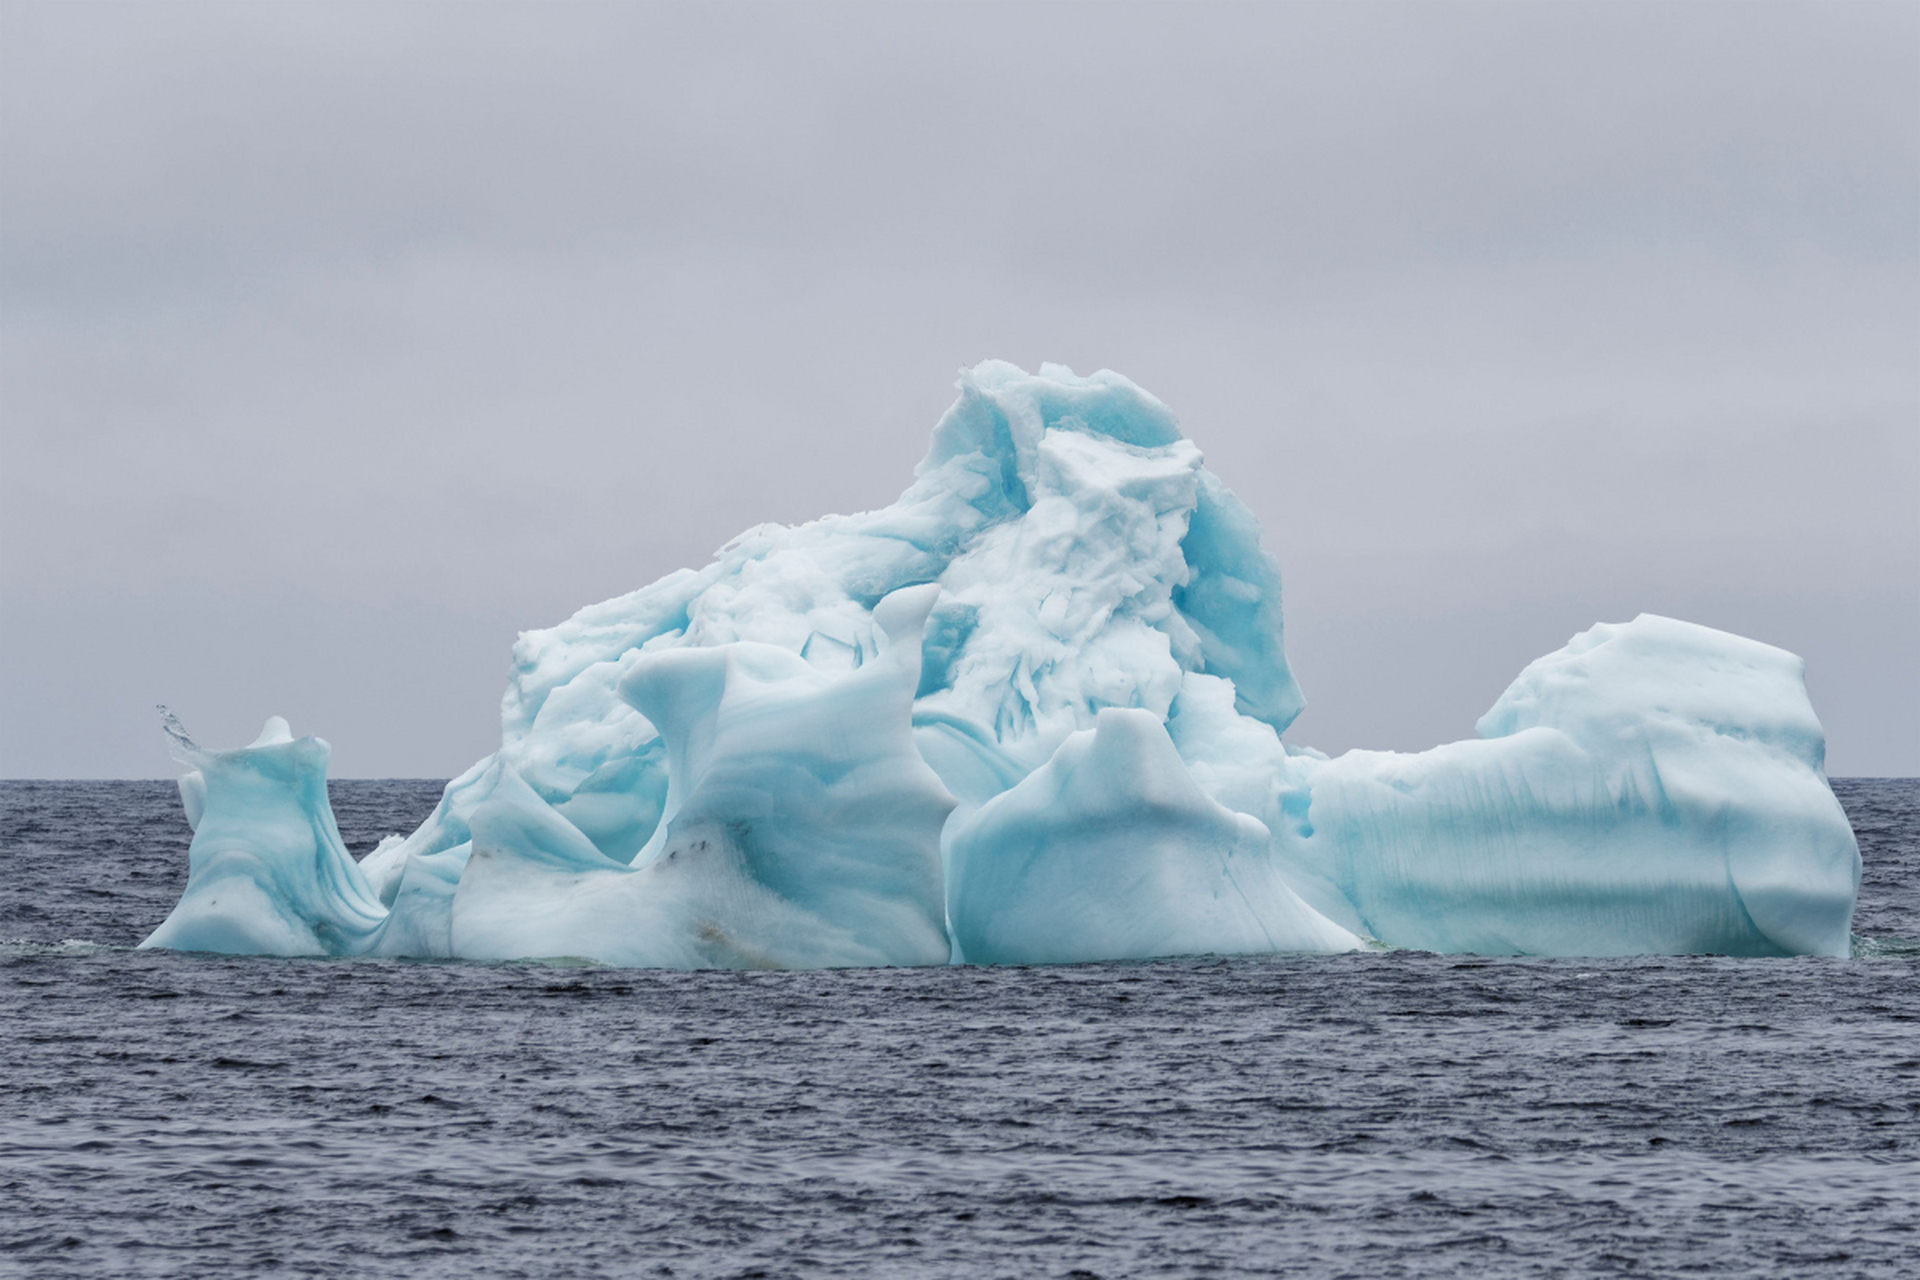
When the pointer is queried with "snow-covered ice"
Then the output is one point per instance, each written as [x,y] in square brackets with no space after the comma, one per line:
[1032,712]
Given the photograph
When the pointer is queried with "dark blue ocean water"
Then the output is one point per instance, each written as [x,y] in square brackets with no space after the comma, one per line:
[1385,1114]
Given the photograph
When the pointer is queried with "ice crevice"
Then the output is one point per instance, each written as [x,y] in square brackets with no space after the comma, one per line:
[1032,713]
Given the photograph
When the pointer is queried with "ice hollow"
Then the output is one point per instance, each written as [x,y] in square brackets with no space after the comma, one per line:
[1031,712]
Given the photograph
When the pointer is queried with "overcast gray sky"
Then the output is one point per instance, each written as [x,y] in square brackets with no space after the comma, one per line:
[341,342]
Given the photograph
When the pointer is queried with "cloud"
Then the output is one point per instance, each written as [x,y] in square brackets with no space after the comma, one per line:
[1525,312]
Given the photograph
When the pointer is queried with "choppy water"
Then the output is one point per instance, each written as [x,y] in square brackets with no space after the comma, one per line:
[1391,1114]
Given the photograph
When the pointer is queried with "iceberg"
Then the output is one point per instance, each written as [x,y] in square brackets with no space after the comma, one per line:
[1032,712]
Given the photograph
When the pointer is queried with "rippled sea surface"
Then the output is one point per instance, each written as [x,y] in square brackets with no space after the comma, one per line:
[1385,1114]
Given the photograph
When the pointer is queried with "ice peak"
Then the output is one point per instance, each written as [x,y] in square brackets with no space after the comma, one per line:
[1003,412]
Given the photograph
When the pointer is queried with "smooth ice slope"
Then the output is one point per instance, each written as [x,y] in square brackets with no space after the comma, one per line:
[1655,786]
[1032,711]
